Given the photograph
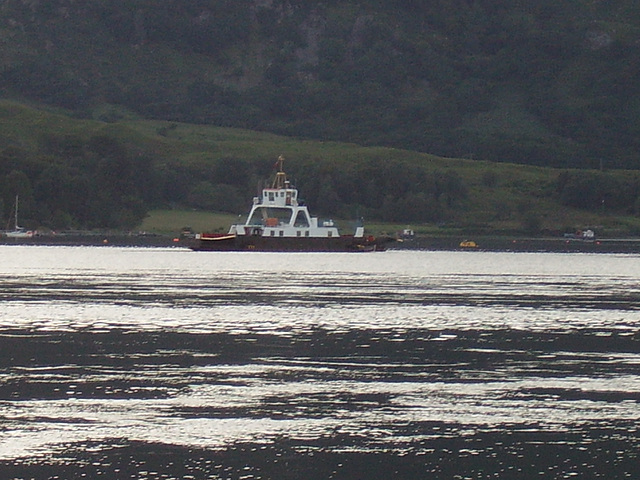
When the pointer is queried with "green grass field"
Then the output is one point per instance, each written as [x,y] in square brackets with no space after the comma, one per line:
[171,222]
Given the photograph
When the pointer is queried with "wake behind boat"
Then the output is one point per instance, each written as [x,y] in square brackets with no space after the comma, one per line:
[279,222]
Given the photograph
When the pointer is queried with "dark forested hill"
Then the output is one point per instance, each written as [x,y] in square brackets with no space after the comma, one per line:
[547,82]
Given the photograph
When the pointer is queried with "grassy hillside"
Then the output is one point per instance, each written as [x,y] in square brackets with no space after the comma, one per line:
[75,173]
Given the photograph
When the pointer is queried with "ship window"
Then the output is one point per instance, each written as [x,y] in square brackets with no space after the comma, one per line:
[273,233]
[271,197]
[260,215]
[299,233]
[301,220]
[306,234]
[282,233]
[330,233]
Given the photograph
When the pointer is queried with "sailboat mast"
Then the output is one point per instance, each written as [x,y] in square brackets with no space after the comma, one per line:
[16,217]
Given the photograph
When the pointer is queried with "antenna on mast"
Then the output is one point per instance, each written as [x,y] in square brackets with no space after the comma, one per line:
[281,178]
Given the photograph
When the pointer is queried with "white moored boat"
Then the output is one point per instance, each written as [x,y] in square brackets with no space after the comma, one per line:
[18,231]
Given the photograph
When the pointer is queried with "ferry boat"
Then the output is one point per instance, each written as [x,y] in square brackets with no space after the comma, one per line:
[278,221]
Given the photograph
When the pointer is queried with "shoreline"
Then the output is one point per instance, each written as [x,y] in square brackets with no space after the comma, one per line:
[99,239]
[521,244]
[444,243]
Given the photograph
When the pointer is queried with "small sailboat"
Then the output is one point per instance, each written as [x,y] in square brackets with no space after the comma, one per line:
[18,231]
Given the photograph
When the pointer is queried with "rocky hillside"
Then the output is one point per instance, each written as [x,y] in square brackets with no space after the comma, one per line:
[545,82]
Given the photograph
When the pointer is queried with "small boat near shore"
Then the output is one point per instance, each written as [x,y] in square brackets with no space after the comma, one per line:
[278,221]
[18,231]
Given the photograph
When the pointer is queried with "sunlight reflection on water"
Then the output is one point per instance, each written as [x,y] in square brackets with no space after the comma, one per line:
[358,353]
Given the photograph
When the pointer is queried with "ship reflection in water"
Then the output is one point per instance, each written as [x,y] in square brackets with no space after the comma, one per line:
[152,363]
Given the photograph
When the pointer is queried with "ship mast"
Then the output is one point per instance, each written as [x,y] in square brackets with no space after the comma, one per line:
[280,181]
[16,214]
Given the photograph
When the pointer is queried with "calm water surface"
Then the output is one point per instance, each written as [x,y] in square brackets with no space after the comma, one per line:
[153,363]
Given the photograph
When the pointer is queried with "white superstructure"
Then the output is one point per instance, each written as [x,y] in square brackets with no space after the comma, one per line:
[278,213]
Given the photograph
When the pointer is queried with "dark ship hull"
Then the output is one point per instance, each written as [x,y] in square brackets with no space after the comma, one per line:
[238,243]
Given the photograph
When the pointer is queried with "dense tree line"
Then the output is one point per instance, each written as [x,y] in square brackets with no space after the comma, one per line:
[545,82]
[101,182]
[602,191]
[73,184]
[105,186]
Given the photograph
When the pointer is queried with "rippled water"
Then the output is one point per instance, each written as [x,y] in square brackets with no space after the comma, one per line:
[152,363]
